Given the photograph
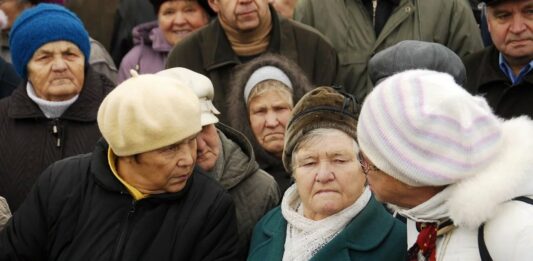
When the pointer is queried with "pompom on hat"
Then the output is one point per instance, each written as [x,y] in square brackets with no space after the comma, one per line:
[323,107]
[148,112]
[423,129]
[43,24]
[201,86]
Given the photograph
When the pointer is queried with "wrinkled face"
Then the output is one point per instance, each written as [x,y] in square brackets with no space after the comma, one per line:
[511,27]
[178,18]
[162,170]
[208,147]
[241,15]
[327,174]
[269,114]
[12,9]
[56,71]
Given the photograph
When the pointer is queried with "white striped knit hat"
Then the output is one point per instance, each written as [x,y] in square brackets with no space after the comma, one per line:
[423,129]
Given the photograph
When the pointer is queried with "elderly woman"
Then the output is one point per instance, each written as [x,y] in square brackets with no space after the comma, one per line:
[460,175]
[154,40]
[271,84]
[99,58]
[329,213]
[52,114]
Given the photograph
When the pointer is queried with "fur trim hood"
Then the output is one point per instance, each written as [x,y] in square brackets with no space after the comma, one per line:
[475,200]
[237,107]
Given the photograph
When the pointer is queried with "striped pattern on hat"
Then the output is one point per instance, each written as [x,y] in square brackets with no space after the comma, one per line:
[423,129]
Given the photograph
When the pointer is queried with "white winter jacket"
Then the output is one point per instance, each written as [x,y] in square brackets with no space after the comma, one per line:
[486,198]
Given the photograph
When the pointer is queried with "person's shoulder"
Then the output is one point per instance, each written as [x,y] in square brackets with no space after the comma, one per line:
[474,58]
[270,220]
[207,187]
[509,233]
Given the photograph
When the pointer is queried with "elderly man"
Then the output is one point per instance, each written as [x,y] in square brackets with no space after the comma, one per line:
[52,115]
[227,156]
[138,198]
[460,175]
[503,72]
[358,29]
[244,30]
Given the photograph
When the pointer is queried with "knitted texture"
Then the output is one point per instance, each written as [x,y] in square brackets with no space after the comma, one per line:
[201,86]
[305,237]
[148,112]
[420,127]
[322,107]
[43,24]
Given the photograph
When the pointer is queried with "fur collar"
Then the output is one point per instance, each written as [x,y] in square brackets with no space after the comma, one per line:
[475,200]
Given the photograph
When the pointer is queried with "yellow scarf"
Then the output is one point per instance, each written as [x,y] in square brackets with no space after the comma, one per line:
[135,193]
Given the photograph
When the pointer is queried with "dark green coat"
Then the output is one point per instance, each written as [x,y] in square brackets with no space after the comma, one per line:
[372,235]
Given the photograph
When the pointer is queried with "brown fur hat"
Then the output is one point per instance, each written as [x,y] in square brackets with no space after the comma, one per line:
[323,107]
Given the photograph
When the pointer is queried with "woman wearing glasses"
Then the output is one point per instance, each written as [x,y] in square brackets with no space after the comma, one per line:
[329,213]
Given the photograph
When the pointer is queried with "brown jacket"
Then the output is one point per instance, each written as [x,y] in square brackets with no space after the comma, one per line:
[208,51]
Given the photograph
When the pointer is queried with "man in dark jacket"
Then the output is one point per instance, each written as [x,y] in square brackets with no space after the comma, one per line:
[503,72]
[138,198]
[52,114]
[243,31]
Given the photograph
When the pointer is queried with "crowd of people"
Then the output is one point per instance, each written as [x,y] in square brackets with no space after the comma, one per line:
[266,130]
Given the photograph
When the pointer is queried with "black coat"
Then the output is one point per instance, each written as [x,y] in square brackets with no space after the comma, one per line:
[484,77]
[79,210]
[9,79]
[29,142]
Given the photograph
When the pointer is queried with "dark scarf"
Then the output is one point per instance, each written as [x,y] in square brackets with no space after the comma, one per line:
[383,12]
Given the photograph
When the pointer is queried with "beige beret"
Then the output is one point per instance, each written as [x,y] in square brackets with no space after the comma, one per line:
[148,112]
[201,86]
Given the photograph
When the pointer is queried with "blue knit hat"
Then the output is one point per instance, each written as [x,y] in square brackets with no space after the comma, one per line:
[43,24]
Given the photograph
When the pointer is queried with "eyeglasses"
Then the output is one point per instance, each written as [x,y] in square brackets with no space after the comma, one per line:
[367,166]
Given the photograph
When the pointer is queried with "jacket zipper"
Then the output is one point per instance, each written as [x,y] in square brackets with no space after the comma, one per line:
[124,232]
[55,131]
[374,7]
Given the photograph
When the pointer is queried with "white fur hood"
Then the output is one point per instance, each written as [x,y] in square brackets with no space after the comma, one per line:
[476,199]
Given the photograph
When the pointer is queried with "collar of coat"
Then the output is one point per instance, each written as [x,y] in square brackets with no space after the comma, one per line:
[364,233]
[84,109]
[476,199]
[222,54]
[105,177]
[489,60]
[239,160]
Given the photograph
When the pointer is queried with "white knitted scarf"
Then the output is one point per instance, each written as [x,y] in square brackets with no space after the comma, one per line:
[50,109]
[305,237]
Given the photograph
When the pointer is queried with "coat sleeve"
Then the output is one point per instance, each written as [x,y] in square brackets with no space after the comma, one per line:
[465,37]
[25,236]
[220,233]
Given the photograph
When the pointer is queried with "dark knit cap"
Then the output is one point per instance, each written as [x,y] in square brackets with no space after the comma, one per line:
[203,3]
[323,107]
[412,54]
[43,24]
